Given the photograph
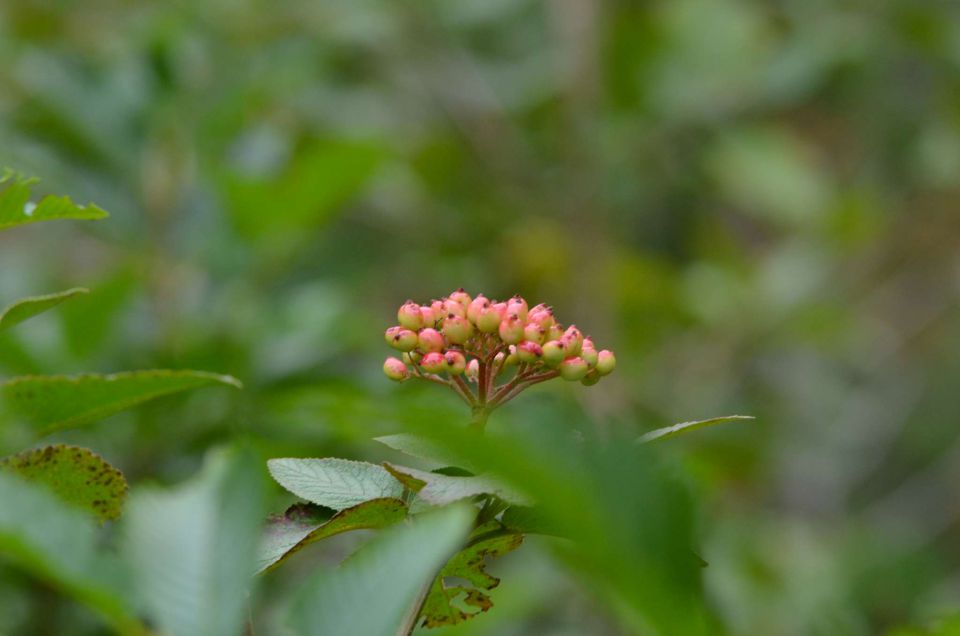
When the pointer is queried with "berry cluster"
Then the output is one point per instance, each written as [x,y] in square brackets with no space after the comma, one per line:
[459,341]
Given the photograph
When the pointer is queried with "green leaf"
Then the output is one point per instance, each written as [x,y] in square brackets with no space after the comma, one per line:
[57,402]
[528,520]
[302,525]
[77,475]
[686,427]
[439,490]
[468,565]
[372,592]
[29,307]
[334,483]
[423,448]
[16,208]
[57,544]
[192,549]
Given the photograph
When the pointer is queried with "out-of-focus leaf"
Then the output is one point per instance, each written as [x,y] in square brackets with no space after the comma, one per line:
[57,544]
[468,565]
[687,427]
[16,208]
[423,448]
[334,483]
[376,589]
[28,307]
[192,549]
[77,475]
[528,520]
[302,525]
[57,402]
[440,490]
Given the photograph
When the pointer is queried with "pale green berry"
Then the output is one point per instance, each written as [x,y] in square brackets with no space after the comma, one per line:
[573,368]
[534,333]
[554,352]
[461,297]
[488,320]
[455,362]
[589,353]
[457,329]
[574,340]
[409,315]
[401,339]
[395,369]
[606,362]
[512,357]
[430,340]
[412,357]
[451,306]
[517,305]
[433,362]
[430,317]
[476,305]
[554,332]
[591,378]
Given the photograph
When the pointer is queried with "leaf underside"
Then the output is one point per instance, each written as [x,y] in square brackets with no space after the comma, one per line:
[688,427]
[439,489]
[455,603]
[76,475]
[334,483]
[29,307]
[56,402]
[303,524]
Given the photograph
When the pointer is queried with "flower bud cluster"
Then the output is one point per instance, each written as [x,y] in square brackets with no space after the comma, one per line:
[462,339]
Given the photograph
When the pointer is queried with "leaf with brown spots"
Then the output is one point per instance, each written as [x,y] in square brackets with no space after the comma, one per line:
[76,475]
[442,605]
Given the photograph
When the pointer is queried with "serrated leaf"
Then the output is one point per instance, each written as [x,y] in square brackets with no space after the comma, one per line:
[439,489]
[58,544]
[76,475]
[192,549]
[301,525]
[334,483]
[56,402]
[469,565]
[372,591]
[28,307]
[16,208]
[423,448]
[687,427]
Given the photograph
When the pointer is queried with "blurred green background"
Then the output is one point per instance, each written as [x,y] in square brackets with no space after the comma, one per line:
[754,203]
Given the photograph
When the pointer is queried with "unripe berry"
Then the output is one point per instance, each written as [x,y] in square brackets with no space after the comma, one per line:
[457,329]
[573,368]
[401,339]
[413,357]
[451,306]
[429,316]
[512,357]
[501,309]
[430,340]
[529,351]
[488,320]
[589,353]
[395,369]
[554,352]
[461,297]
[606,362]
[473,369]
[409,315]
[511,329]
[554,332]
[433,362]
[517,305]
[478,304]
[591,378]
[534,333]
[574,340]
[542,317]
[455,362]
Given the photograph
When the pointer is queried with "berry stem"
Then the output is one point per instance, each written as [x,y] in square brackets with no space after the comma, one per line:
[465,390]
[478,422]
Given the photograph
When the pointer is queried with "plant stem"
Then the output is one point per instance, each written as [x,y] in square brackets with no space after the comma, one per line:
[479,420]
[409,623]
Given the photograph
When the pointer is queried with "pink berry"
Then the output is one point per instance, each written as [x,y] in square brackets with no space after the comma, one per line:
[430,340]
[433,362]
[512,358]
[451,306]
[409,315]
[457,329]
[541,317]
[529,351]
[534,333]
[511,329]
[517,305]
[574,340]
[554,332]
[429,316]
[395,369]
[606,362]
[573,368]
[461,297]
[554,352]
[401,339]
[473,369]
[589,353]
[455,362]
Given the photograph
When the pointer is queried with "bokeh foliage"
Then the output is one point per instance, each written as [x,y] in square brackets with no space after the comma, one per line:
[753,203]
